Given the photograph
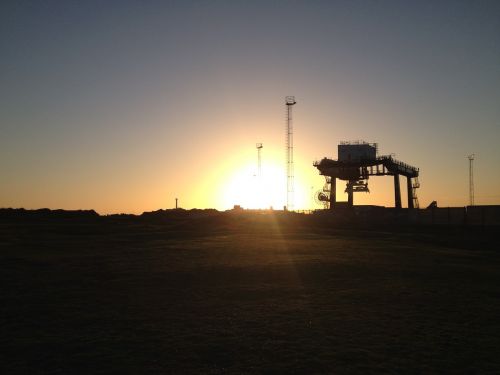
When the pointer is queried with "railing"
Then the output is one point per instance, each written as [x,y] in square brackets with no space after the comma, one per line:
[379,160]
[398,163]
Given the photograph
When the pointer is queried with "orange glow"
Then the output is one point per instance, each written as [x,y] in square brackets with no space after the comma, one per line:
[245,188]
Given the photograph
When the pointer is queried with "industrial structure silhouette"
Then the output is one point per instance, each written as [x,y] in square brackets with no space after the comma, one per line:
[356,162]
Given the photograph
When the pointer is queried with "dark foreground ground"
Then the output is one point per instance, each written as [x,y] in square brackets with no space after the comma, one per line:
[246,296]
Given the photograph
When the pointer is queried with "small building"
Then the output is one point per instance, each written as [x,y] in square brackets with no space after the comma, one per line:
[357,151]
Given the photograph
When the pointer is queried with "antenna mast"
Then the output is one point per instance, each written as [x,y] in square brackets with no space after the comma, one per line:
[289,101]
[471,180]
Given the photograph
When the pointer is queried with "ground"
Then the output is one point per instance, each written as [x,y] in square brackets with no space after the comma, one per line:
[258,298]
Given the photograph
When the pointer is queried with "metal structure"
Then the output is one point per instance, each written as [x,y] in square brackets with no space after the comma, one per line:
[259,147]
[322,198]
[471,179]
[356,162]
[289,101]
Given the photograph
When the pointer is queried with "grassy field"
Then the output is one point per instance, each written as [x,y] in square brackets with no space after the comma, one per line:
[258,298]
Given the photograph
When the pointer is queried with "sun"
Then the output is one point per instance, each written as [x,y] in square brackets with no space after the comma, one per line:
[244,187]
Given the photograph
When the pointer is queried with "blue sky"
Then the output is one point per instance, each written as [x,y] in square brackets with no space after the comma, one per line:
[122,106]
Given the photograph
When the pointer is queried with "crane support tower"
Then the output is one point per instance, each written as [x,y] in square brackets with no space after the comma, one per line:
[356,162]
[289,101]
[471,179]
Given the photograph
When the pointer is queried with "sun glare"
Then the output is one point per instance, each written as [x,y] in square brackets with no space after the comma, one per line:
[249,190]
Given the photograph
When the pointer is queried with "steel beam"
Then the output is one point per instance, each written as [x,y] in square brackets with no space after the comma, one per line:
[333,192]
[397,191]
[410,192]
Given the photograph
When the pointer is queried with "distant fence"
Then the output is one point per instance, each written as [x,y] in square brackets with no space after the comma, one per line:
[469,215]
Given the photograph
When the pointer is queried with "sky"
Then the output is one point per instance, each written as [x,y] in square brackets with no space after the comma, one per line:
[123,106]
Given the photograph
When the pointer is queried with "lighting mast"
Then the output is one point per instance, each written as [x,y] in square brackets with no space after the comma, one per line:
[259,147]
[289,101]
[471,179]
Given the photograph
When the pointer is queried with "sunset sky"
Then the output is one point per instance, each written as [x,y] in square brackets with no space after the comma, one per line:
[122,106]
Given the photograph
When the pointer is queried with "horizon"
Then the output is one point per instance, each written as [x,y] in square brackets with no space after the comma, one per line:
[123,107]
[423,212]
